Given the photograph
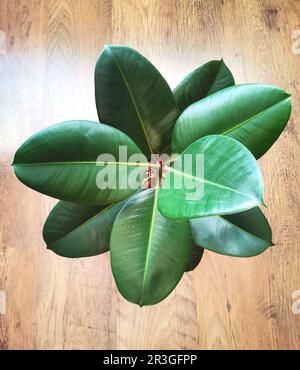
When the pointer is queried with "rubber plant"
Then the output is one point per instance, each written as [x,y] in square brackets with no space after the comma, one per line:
[156,231]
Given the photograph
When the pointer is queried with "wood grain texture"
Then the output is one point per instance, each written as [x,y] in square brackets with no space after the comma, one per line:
[47,77]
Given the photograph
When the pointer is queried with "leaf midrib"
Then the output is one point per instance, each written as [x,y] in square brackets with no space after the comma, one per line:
[88,162]
[254,117]
[132,98]
[268,242]
[154,212]
[210,182]
[208,92]
[245,231]
[81,225]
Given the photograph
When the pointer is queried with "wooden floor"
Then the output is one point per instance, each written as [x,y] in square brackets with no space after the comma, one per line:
[48,50]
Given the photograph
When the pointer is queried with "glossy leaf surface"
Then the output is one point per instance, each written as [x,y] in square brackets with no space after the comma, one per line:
[77,230]
[229,182]
[253,114]
[243,234]
[132,96]
[149,253]
[203,81]
[61,161]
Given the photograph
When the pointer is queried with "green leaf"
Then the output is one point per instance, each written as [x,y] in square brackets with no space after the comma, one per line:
[216,175]
[149,253]
[253,114]
[203,81]
[132,96]
[61,161]
[243,234]
[195,258]
[77,230]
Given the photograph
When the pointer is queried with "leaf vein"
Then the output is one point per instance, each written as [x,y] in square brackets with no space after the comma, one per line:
[132,98]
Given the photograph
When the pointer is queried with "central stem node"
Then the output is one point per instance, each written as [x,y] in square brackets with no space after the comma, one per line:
[155,173]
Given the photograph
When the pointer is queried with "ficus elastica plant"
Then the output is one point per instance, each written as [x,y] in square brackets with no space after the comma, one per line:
[163,176]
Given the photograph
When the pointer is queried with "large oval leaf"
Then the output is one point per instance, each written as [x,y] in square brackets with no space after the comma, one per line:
[77,230]
[243,234]
[149,253]
[253,114]
[132,96]
[61,161]
[203,81]
[216,175]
